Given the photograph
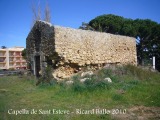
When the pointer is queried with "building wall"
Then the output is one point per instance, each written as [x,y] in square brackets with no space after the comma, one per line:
[87,47]
[40,43]
[71,49]
[11,58]
[3,60]
[78,48]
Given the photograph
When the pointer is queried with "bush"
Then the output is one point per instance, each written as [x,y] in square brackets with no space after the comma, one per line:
[11,69]
[104,73]
[76,78]
[79,87]
[140,73]
[46,77]
[103,85]
[123,77]
[90,85]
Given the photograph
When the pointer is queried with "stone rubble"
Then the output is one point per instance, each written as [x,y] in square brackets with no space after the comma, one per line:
[70,82]
[84,79]
[108,80]
[86,73]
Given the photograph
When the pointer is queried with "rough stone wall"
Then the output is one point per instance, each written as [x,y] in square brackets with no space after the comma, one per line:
[40,42]
[45,34]
[71,49]
[87,47]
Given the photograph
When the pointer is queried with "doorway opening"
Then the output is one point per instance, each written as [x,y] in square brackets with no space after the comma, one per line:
[37,66]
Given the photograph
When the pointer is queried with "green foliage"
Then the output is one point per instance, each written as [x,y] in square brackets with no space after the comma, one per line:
[94,82]
[140,73]
[79,87]
[103,85]
[137,90]
[46,77]
[85,26]
[107,23]
[146,32]
[11,69]
[117,97]
[24,54]
[3,47]
[104,72]
[48,73]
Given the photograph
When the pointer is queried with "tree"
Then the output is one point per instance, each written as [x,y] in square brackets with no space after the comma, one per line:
[47,17]
[146,32]
[107,23]
[24,54]
[36,13]
[3,47]
[36,10]
[85,26]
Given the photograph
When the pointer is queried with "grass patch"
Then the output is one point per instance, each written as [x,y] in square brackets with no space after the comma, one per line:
[130,86]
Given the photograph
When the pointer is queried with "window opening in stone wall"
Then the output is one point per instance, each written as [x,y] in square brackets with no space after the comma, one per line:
[37,66]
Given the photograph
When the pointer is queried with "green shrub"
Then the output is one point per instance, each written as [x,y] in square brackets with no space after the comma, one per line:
[78,87]
[102,85]
[104,73]
[75,78]
[140,73]
[11,69]
[46,77]
[134,82]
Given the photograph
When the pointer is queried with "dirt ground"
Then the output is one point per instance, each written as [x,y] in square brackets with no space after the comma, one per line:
[139,113]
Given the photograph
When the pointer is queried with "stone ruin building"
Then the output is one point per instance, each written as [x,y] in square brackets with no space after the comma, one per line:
[68,50]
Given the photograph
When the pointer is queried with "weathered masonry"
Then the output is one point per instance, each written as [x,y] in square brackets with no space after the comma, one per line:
[67,50]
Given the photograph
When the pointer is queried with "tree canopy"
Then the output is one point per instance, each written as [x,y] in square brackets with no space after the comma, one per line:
[24,54]
[146,32]
[3,47]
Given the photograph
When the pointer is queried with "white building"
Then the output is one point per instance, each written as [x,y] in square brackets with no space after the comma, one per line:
[11,58]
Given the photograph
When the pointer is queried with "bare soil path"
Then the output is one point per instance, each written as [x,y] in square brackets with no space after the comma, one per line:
[140,113]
